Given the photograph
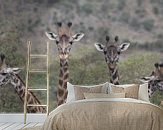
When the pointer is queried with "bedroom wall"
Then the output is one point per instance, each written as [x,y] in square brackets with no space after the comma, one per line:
[139,22]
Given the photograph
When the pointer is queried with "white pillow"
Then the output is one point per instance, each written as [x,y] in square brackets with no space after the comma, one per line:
[143,92]
[71,93]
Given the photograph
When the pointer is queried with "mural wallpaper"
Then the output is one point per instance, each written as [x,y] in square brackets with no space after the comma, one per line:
[128,34]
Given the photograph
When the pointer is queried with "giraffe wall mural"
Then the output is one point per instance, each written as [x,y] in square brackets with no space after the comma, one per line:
[155,80]
[112,51]
[10,75]
[64,41]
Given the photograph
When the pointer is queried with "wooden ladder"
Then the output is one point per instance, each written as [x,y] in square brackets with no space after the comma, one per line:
[28,71]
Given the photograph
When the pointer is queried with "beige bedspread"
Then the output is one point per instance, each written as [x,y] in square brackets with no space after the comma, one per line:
[106,114]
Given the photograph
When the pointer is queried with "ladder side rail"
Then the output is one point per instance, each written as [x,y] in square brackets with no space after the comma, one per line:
[47,109]
[27,77]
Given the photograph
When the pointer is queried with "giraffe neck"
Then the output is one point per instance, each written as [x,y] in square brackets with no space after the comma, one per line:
[63,78]
[19,87]
[152,88]
[114,75]
[150,92]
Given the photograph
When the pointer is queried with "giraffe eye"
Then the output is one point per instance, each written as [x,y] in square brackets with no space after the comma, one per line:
[57,42]
[3,74]
[71,42]
[68,49]
[158,80]
[105,52]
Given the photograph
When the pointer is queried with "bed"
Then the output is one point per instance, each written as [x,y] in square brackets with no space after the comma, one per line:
[106,107]
[105,114]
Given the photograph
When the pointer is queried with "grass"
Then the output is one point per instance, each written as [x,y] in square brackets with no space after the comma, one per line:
[88,69]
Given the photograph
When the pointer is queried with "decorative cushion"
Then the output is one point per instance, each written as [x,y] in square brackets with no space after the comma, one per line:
[103,95]
[131,90]
[76,92]
[143,92]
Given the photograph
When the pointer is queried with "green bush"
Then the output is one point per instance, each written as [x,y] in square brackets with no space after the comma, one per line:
[125,17]
[156,10]
[139,2]
[148,24]
[141,12]
[134,23]
[86,8]
[121,5]
[103,31]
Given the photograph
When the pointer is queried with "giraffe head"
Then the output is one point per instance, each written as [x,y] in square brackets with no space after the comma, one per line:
[64,39]
[155,80]
[112,50]
[6,73]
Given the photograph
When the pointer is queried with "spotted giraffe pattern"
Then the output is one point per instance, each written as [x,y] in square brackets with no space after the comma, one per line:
[112,52]
[63,79]
[9,75]
[155,80]
[114,75]
[64,41]
[19,87]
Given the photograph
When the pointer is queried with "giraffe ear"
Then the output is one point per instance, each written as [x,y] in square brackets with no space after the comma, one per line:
[51,35]
[160,85]
[99,47]
[77,37]
[124,46]
[146,79]
[16,70]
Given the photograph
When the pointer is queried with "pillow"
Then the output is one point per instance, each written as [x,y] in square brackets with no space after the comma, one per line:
[121,86]
[103,95]
[161,104]
[76,92]
[143,92]
[131,90]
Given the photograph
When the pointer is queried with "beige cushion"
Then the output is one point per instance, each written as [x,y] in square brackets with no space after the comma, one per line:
[76,92]
[103,95]
[161,104]
[80,90]
[143,92]
[131,90]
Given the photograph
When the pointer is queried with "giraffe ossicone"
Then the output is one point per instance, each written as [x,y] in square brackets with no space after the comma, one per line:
[112,51]
[64,40]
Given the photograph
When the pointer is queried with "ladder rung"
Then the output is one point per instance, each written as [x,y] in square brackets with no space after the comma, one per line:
[37,56]
[32,89]
[38,71]
[37,89]
[36,105]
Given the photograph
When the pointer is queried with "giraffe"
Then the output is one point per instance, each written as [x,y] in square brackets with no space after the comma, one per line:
[10,75]
[64,41]
[112,52]
[155,80]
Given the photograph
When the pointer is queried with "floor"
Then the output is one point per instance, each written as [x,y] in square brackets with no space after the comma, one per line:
[15,121]
[17,126]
